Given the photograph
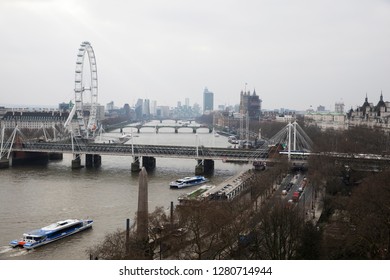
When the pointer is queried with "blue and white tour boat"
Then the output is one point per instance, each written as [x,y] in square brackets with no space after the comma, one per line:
[188,182]
[50,233]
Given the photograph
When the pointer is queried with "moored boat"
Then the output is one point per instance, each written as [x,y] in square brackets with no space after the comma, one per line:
[50,233]
[200,194]
[124,138]
[188,182]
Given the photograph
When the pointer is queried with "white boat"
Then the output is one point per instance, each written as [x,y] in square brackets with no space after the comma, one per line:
[50,233]
[124,138]
[233,140]
[188,182]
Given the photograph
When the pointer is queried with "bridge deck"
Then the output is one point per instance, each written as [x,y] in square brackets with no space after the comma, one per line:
[147,150]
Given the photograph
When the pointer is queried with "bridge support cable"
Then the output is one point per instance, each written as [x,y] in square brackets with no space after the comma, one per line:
[289,141]
[295,135]
[6,147]
[304,138]
[2,142]
[293,138]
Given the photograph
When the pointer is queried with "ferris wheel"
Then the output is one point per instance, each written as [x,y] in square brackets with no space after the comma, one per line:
[85,129]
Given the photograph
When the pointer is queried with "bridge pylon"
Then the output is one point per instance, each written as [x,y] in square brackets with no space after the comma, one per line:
[293,139]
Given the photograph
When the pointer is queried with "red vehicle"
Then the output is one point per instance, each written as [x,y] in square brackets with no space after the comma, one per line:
[295,196]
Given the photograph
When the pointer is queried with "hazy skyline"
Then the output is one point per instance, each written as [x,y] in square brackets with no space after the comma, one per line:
[295,53]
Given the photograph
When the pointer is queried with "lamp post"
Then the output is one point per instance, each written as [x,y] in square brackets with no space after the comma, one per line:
[196,143]
[132,143]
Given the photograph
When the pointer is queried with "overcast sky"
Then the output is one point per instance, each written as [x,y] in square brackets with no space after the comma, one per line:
[295,53]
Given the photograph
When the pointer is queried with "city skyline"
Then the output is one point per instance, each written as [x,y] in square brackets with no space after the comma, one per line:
[295,54]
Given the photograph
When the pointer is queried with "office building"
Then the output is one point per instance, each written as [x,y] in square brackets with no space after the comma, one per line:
[208,101]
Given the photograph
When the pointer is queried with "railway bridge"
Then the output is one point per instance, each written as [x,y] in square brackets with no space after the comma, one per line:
[204,156]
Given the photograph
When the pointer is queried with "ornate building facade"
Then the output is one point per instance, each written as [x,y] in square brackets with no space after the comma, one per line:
[371,115]
[250,104]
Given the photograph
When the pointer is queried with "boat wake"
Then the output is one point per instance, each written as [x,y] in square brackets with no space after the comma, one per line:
[5,249]
[7,252]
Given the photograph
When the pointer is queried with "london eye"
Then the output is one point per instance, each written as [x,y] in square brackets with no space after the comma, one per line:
[86,85]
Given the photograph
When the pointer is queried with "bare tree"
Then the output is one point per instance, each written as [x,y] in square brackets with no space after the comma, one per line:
[369,211]
[278,232]
[119,246]
[199,220]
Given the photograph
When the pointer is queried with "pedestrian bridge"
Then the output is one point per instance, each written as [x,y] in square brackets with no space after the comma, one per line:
[136,150]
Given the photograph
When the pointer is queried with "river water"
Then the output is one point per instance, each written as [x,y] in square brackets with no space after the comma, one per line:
[35,196]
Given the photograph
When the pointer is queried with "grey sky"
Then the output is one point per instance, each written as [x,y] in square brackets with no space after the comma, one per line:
[295,53]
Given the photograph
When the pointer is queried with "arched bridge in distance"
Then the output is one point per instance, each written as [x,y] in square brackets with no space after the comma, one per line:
[175,127]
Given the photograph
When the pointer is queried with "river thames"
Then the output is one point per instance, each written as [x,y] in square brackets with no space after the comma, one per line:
[35,196]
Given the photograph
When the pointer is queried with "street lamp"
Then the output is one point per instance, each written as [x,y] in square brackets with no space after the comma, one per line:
[196,143]
[132,143]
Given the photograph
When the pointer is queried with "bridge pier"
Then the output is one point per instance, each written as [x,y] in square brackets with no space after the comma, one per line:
[25,158]
[149,163]
[138,130]
[176,130]
[4,163]
[204,167]
[56,156]
[135,165]
[194,130]
[97,160]
[88,160]
[76,162]
[93,160]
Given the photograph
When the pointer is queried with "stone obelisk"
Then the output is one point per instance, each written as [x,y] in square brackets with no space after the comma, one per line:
[142,214]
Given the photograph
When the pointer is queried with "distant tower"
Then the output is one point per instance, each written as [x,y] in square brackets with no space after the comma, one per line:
[146,109]
[139,109]
[142,213]
[153,107]
[208,100]
[339,107]
[250,104]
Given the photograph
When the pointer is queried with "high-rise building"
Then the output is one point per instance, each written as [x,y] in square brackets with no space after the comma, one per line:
[153,108]
[208,100]
[110,106]
[139,109]
[250,104]
[187,102]
[146,108]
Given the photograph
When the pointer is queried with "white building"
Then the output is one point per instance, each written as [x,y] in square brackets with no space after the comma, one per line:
[33,119]
[326,120]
